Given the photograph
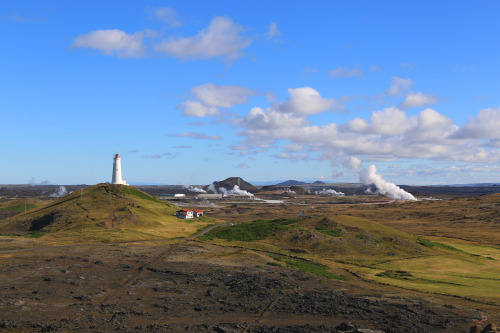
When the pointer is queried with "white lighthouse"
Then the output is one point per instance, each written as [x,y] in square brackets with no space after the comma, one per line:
[117,171]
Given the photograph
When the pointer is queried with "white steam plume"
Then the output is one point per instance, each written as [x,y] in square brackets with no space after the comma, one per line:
[235,191]
[194,189]
[331,192]
[212,188]
[370,176]
[62,192]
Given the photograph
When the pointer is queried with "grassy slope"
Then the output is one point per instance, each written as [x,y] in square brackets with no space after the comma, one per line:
[374,251]
[19,205]
[125,214]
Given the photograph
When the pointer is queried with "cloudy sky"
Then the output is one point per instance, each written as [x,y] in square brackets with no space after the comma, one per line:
[197,91]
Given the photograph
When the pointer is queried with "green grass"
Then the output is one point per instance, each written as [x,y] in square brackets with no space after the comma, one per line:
[311,267]
[19,208]
[428,243]
[139,194]
[330,232]
[270,263]
[247,232]
[36,234]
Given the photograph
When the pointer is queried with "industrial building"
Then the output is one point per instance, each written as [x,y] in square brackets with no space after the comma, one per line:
[208,196]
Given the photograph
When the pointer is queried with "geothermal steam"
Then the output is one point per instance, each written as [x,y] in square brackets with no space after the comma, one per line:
[370,176]
[62,192]
[194,189]
[331,192]
[235,191]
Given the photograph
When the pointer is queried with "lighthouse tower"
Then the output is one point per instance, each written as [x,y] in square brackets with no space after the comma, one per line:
[117,171]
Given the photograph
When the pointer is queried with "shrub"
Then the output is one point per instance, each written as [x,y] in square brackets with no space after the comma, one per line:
[314,268]
[247,232]
[428,243]
[395,274]
[330,232]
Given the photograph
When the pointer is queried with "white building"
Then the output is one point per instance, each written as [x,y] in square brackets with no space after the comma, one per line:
[117,171]
[184,214]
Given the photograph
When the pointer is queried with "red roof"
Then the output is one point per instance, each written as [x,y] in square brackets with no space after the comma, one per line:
[185,210]
[197,210]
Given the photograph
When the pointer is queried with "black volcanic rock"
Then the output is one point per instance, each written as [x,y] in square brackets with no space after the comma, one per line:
[231,181]
[298,190]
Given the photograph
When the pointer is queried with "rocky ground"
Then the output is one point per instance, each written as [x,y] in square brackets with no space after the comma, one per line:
[192,286]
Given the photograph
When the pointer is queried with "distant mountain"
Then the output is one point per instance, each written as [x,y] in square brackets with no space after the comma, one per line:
[318,182]
[229,183]
[291,183]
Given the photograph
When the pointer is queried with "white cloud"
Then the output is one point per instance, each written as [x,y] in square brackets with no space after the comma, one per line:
[273,31]
[167,15]
[195,135]
[258,118]
[485,125]
[390,121]
[291,157]
[419,99]
[207,99]
[198,109]
[386,135]
[342,72]
[242,166]
[222,39]
[399,86]
[432,126]
[293,148]
[306,101]
[113,42]
[222,96]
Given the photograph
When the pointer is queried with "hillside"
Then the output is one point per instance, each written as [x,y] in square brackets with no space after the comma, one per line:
[291,182]
[103,212]
[229,183]
[335,237]
[335,245]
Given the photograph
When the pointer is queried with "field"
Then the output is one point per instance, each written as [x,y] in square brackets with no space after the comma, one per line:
[117,259]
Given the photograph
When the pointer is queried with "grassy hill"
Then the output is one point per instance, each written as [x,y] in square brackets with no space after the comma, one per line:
[104,212]
[338,244]
[336,238]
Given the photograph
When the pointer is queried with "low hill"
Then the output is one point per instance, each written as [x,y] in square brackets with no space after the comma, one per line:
[229,183]
[337,237]
[344,247]
[103,212]
[291,183]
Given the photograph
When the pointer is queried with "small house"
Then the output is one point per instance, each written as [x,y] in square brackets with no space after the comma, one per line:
[184,214]
[197,213]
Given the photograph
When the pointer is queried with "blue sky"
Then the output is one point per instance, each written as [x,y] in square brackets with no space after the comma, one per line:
[198,91]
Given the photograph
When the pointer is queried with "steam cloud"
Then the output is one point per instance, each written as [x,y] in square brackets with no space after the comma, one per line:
[370,176]
[194,189]
[62,192]
[235,191]
[212,188]
[331,192]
